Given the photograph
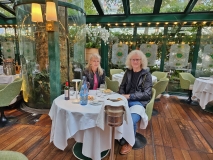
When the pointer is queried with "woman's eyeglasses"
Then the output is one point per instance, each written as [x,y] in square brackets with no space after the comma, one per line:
[135,60]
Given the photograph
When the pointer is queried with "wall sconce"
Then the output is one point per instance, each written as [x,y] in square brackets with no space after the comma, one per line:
[51,15]
[36,13]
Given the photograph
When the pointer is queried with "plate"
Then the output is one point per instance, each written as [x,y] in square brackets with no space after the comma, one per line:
[95,103]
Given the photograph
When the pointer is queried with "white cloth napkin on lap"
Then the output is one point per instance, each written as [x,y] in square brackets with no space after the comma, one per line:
[101,117]
[141,111]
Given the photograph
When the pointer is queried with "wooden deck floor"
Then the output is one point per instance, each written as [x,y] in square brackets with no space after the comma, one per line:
[178,132]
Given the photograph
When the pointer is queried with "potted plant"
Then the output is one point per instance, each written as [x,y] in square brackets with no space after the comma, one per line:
[94,35]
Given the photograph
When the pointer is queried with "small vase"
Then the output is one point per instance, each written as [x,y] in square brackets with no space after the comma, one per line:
[89,51]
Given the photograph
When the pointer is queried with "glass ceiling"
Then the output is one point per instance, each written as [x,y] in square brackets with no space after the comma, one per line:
[124,11]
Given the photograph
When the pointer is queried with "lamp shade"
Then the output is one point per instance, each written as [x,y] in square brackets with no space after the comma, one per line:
[36,14]
[51,14]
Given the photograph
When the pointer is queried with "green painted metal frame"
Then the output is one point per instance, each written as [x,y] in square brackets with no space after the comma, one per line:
[126,7]
[157,6]
[190,6]
[98,7]
[7,9]
[164,48]
[104,55]
[196,50]
[150,18]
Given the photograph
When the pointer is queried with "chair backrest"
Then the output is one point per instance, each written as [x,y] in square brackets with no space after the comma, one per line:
[112,85]
[149,106]
[160,86]
[10,91]
[115,71]
[12,155]
[159,74]
[186,79]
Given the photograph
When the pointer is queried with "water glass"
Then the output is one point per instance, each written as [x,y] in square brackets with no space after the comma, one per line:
[72,91]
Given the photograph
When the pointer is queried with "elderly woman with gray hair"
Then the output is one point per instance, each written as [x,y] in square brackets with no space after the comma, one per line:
[136,87]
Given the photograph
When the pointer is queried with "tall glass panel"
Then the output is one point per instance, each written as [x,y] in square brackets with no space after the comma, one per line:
[173,6]
[149,41]
[179,56]
[138,7]
[33,46]
[121,43]
[204,66]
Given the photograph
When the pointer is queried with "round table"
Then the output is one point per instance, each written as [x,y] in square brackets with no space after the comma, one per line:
[203,90]
[71,120]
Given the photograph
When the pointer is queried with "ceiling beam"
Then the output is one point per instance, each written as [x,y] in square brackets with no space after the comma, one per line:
[98,7]
[7,9]
[150,18]
[2,16]
[7,21]
[157,6]
[126,7]
[190,6]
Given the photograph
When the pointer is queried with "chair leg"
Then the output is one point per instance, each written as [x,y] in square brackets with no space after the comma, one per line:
[5,121]
[3,118]
[189,100]
[154,112]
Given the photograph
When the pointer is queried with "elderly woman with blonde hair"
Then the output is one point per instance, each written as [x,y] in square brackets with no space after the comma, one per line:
[136,87]
[93,72]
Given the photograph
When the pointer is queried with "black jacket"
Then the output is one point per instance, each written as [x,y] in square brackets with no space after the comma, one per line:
[143,93]
[90,78]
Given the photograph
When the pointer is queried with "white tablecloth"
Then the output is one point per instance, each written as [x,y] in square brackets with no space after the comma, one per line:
[119,77]
[4,79]
[79,122]
[203,90]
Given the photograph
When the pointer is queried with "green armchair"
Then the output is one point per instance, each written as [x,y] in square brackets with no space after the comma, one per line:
[112,85]
[8,95]
[115,71]
[159,74]
[160,87]
[186,82]
[140,140]
[12,155]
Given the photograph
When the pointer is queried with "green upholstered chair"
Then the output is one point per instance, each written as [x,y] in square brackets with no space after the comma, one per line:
[140,140]
[159,74]
[149,106]
[12,155]
[112,85]
[8,95]
[186,82]
[160,87]
[115,71]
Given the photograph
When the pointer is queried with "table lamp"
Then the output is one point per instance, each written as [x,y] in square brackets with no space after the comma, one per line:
[76,100]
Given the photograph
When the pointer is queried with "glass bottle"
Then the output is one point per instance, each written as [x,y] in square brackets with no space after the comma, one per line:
[84,92]
[66,91]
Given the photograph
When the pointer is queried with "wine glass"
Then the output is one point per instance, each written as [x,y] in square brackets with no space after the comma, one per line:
[72,91]
[102,87]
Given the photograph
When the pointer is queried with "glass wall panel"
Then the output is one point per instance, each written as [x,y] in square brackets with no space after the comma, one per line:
[179,55]
[204,66]
[138,7]
[203,6]
[121,43]
[149,41]
[33,47]
[173,6]
[112,7]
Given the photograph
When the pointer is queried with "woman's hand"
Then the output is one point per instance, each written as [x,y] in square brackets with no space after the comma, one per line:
[126,96]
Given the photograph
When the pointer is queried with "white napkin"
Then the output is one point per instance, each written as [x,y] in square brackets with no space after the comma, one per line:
[141,111]
[101,116]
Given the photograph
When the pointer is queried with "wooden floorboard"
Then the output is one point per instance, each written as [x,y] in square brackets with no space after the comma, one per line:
[179,132]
